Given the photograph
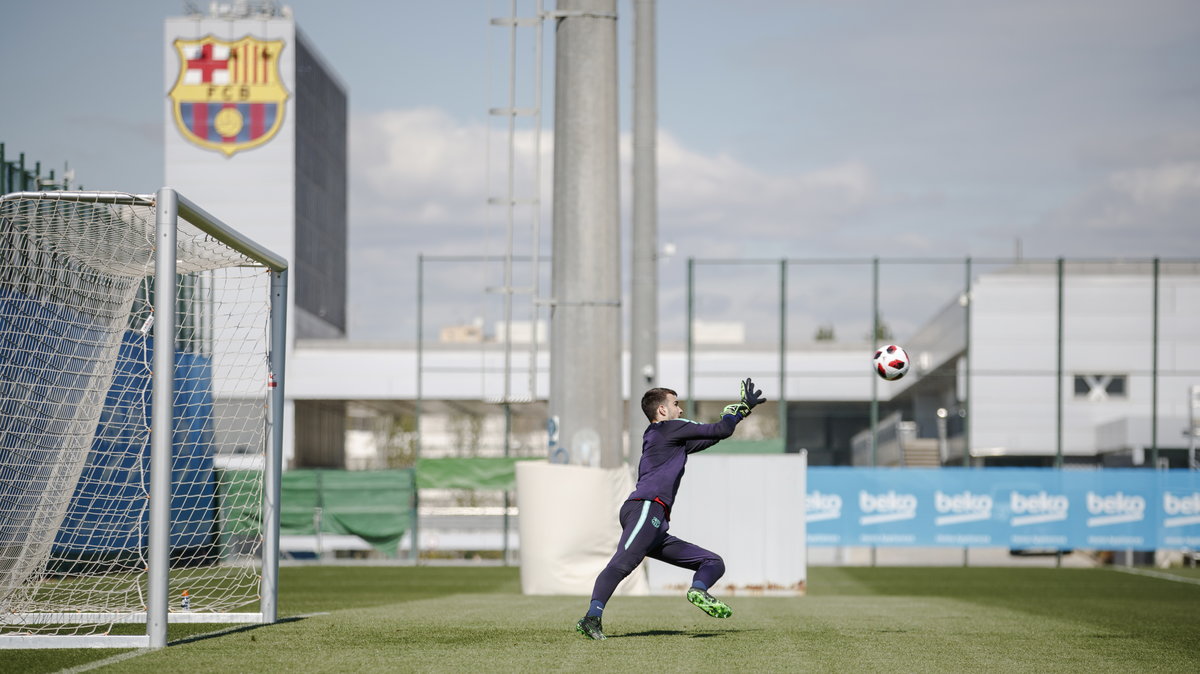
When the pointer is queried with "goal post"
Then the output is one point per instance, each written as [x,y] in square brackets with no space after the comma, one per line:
[142,347]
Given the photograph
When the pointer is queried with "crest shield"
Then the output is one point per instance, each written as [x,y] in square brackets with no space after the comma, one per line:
[228,96]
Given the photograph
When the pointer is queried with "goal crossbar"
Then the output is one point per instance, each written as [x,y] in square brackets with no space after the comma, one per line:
[185,208]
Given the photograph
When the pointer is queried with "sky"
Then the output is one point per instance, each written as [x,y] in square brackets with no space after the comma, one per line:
[817,130]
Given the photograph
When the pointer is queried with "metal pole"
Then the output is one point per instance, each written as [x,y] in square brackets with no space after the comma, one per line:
[587,391]
[691,338]
[1192,465]
[1154,376]
[414,538]
[318,522]
[1058,459]
[943,444]
[510,206]
[965,403]
[643,290]
[536,252]
[1193,408]
[420,345]
[967,389]
[273,469]
[319,514]
[1058,368]
[507,451]
[783,297]
[874,377]
[162,417]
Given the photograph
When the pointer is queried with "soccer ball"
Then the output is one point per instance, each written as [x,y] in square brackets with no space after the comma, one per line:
[891,362]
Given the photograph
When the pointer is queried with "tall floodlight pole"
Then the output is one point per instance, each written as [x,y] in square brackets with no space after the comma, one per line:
[643,289]
[585,346]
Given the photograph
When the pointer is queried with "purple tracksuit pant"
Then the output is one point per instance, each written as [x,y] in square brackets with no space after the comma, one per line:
[644,534]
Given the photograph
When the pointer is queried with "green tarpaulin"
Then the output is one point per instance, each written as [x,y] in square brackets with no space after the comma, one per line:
[736,446]
[373,505]
[240,492]
[468,473]
[240,495]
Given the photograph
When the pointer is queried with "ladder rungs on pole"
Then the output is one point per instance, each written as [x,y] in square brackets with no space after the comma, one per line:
[513,112]
[501,201]
[516,21]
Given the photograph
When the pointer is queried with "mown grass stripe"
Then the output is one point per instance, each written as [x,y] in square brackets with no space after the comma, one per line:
[1156,574]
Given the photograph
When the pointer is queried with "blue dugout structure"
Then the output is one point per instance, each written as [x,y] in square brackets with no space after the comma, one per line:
[43,378]
[108,518]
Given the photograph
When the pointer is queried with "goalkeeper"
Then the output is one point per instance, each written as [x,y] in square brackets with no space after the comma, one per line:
[646,513]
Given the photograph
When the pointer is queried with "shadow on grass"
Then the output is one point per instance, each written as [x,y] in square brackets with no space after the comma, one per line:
[677,633]
[234,630]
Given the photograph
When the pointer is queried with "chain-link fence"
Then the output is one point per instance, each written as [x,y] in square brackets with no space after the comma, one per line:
[1014,361]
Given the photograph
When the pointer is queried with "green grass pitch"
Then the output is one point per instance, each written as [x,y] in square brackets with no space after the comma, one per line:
[454,619]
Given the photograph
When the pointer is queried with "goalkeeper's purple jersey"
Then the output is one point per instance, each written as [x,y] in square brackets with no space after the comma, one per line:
[665,447]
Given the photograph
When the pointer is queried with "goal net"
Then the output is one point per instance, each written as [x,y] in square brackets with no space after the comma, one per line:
[84,314]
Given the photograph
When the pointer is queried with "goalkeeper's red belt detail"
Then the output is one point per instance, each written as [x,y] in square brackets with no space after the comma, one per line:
[666,508]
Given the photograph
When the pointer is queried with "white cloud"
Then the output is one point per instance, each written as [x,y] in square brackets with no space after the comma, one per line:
[1136,212]
[418,167]
[420,183]
[1161,187]
[413,168]
[695,188]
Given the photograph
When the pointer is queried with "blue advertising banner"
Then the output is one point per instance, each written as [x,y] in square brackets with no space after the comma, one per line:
[1019,508]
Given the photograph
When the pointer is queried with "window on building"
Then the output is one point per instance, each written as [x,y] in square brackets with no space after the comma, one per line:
[1096,387]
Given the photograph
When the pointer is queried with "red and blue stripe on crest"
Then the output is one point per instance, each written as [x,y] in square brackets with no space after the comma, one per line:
[199,118]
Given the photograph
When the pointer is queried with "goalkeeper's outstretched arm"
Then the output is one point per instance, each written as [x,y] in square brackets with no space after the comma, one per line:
[730,416]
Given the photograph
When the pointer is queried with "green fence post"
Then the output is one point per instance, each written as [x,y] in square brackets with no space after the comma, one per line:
[965,404]
[1154,375]
[691,337]
[415,542]
[783,353]
[874,377]
[1058,439]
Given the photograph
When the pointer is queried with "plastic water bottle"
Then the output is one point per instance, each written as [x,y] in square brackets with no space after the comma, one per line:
[186,602]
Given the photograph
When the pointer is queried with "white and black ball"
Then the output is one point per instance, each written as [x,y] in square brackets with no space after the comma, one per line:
[890,362]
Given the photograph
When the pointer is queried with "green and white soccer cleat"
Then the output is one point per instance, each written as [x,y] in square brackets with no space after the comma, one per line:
[708,603]
[589,626]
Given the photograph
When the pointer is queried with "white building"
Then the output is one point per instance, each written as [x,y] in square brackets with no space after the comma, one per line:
[256,133]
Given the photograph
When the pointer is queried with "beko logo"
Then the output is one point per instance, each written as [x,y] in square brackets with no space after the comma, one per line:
[1115,508]
[887,507]
[1037,508]
[964,507]
[822,507]
[1182,510]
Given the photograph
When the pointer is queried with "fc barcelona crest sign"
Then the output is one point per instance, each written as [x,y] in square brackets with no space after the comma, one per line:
[228,96]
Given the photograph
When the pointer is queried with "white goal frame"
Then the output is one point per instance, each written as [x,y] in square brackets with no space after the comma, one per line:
[169,207]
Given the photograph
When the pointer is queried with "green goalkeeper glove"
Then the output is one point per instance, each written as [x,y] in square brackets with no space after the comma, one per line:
[737,410]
